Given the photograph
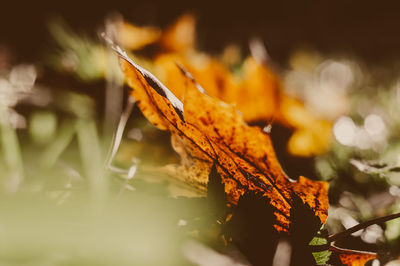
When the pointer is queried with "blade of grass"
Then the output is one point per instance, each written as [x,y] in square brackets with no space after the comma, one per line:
[90,152]
[119,133]
[12,153]
[56,148]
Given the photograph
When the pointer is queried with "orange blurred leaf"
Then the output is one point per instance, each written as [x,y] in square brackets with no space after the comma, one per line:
[134,37]
[312,136]
[181,36]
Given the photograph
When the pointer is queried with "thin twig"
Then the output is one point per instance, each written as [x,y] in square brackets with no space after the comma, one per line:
[360,226]
[259,51]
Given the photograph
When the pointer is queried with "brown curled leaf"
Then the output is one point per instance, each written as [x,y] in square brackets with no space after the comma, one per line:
[206,131]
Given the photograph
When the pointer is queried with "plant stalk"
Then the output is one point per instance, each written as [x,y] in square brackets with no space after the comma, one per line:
[360,226]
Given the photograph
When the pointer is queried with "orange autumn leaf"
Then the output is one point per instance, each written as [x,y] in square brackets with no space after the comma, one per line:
[259,97]
[257,93]
[209,73]
[207,131]
[350,257]
[165,111]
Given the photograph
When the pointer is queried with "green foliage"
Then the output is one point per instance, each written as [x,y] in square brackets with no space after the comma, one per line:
[321,257]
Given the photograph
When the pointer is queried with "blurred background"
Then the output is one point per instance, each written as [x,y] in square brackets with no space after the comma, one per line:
[94,191]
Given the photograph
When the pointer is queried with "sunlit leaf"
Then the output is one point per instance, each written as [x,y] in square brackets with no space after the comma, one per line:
[321,257]
[207,131]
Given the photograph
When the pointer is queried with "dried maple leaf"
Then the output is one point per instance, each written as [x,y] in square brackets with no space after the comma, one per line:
[350,257]
[207,131]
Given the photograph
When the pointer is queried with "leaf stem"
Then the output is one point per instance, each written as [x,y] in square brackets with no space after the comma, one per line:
[334,237]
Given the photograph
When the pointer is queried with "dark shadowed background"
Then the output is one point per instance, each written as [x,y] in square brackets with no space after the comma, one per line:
[366,29]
